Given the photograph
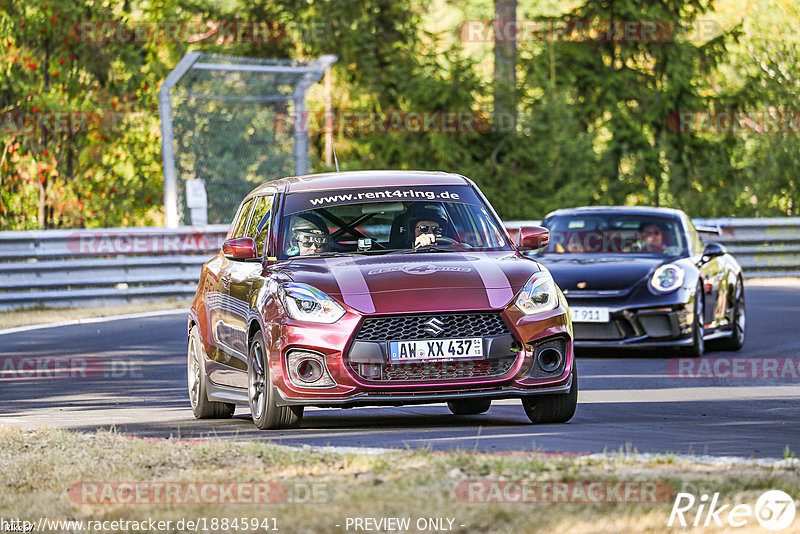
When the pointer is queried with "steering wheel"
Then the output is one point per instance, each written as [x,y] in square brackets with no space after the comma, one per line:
[441,240]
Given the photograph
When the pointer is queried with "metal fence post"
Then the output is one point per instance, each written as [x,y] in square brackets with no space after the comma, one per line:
[167,146]
[301,134]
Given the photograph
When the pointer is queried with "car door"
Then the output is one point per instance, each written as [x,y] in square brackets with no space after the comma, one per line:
[243,276]
[229,358]
[712,273]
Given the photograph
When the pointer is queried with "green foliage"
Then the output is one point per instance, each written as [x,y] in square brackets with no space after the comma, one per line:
[80,128]
[594,117]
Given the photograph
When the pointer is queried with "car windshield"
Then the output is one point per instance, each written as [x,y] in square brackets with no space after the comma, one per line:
[388,220]
[611,233]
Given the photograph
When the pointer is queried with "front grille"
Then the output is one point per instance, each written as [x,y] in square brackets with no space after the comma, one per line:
[407,327]
[434,370]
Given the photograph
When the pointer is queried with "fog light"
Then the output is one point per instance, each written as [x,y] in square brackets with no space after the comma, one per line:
[308,369]
[550,359]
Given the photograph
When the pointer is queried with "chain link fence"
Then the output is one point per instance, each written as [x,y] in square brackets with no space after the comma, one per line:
[224,122]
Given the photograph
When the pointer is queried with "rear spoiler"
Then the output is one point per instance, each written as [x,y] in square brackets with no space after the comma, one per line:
[716,230]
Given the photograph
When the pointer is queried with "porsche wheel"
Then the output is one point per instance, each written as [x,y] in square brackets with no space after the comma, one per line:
[558,408]
[202,408]
[265,412]
[736,340]
[698,346]
[469,406]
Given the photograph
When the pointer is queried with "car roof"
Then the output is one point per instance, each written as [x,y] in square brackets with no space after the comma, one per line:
[632,210]
[331,181]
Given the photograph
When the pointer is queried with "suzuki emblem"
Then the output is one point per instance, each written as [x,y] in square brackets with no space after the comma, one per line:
[434,326]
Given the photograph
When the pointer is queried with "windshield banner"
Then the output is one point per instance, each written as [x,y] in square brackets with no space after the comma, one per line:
[302,201]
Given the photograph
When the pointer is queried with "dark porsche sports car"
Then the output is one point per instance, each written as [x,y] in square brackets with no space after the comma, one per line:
[641,278]
[377,288]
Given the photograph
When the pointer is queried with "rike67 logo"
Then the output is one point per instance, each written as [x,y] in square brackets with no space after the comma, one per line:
[774,510]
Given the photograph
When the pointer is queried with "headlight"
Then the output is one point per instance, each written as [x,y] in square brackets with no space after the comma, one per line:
[667,278]
[306,303]
[538,295]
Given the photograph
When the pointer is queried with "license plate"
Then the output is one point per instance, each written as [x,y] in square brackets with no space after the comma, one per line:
[589,315]
[435,349]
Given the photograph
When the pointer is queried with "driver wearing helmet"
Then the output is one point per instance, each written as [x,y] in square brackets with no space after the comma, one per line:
[306,238]
[427,225]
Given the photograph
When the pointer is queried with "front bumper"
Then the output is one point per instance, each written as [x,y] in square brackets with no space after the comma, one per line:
[520,376]
[399,399]
[645,322]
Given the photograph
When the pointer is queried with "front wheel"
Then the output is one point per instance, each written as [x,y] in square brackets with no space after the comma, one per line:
[698,346]
[202,408]
[554,408]
[264,410]
[736,340]
[469,406]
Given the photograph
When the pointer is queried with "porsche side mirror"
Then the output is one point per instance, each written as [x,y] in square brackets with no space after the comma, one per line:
[533,237]
[240,248]
[712,249]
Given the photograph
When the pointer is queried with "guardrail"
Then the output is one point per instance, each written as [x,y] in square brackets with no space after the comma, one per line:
[101,266]
[763,247]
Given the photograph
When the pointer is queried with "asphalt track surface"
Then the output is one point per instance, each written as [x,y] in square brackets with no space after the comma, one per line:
[136,382]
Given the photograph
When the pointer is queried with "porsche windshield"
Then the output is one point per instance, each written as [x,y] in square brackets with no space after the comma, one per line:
[383,220]
[612,233]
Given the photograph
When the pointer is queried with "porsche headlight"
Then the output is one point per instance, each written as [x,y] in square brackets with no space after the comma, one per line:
[539,294]
[667,278]
[306,303]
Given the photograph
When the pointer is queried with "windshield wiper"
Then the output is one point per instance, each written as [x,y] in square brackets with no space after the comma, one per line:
[323,255]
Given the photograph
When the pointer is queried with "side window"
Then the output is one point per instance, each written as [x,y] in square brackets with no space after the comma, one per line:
[259,226]
[240,222]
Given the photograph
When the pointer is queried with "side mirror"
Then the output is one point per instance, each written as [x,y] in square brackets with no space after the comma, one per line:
[240,248]
[533,237]
[712,249]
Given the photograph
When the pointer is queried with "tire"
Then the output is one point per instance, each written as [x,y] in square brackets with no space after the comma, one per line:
[554,408]
[469,406]
[736,340]
[261,394]
[698,346]
[202,408]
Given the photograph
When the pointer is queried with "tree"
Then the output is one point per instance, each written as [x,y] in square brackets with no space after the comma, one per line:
[505,63]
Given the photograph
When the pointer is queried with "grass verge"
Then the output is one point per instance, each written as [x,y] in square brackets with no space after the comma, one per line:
[47,473]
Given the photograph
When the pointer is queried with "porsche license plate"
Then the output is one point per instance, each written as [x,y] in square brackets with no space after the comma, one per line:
[589,315]
[435,349]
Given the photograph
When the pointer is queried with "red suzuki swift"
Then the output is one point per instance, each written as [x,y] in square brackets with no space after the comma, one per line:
[379,288]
